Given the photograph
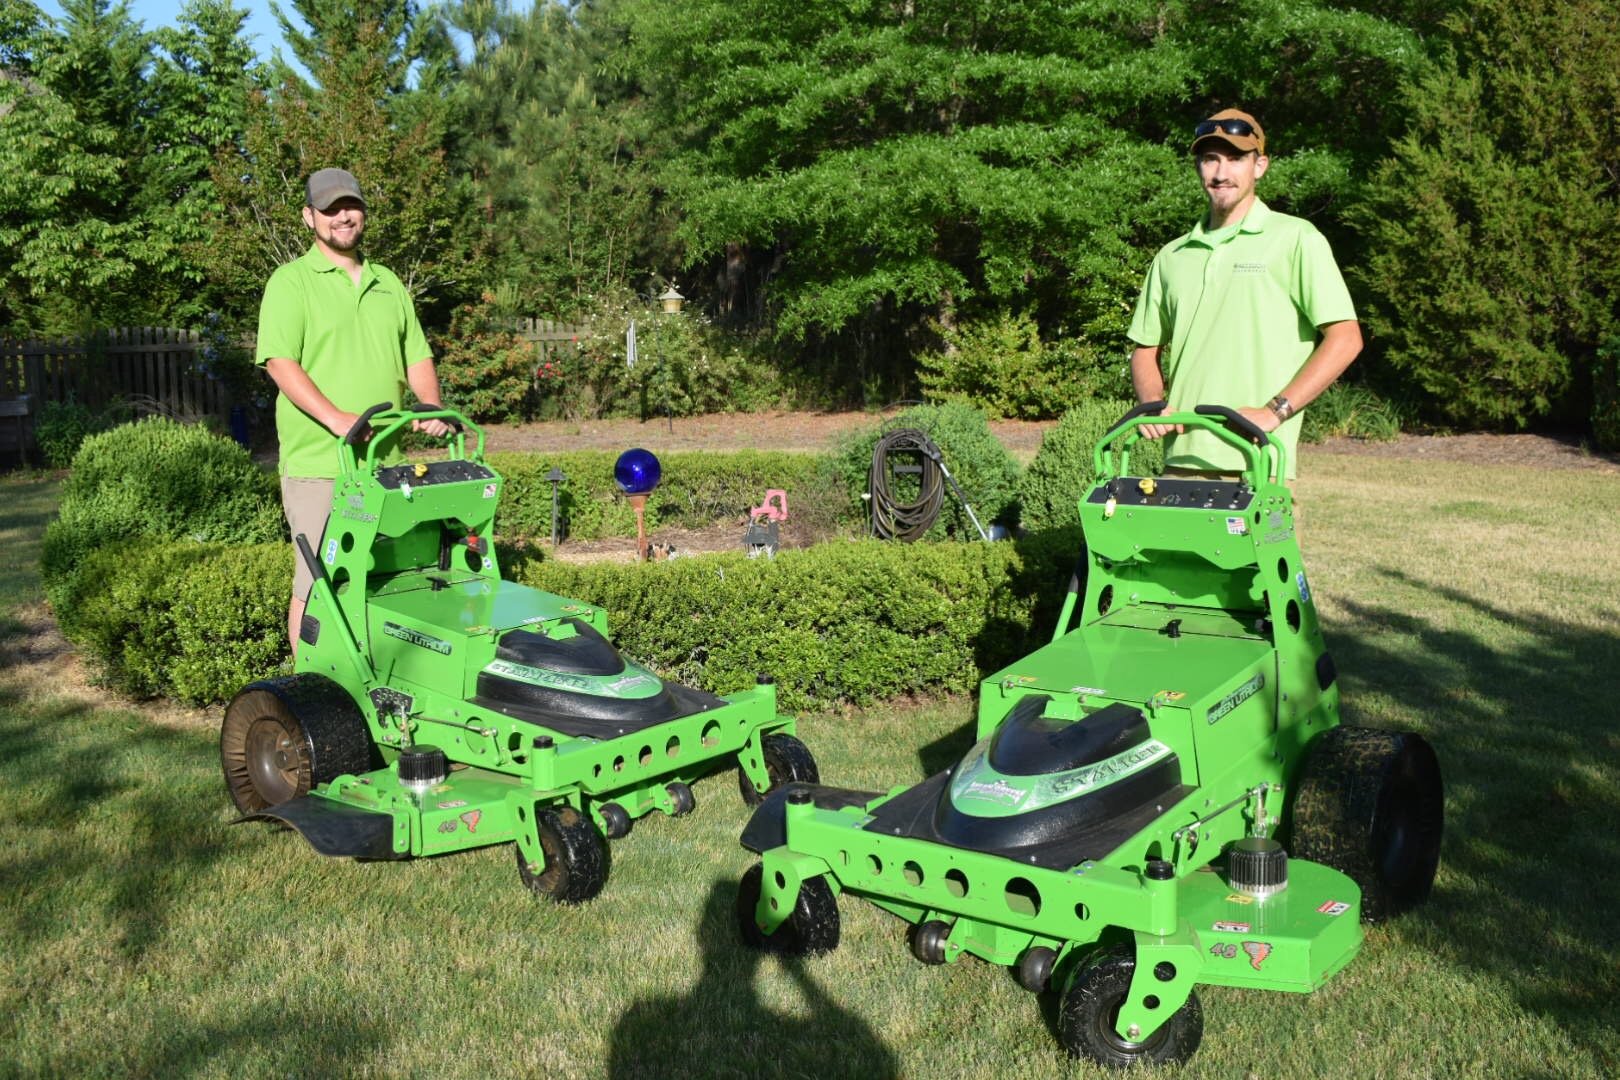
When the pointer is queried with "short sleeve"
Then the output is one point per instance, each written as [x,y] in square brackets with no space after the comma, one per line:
[415,341]
[1148,321]
[1320,289]
[281,319]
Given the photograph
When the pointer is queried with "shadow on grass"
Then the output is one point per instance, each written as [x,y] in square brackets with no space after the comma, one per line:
[70,769]
[1525,731]
[694,1032]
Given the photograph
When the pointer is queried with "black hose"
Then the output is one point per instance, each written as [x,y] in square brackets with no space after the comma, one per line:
[893,520]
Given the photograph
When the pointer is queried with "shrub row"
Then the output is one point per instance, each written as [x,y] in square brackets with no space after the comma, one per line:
[852,622]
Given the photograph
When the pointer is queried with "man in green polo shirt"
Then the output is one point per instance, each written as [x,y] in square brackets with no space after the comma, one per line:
[1247,310]
[337,334]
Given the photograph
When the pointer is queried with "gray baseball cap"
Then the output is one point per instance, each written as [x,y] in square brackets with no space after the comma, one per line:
[329,185]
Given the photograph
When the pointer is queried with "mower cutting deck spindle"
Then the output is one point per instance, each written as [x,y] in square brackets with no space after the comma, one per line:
[435,707]
[1160,797]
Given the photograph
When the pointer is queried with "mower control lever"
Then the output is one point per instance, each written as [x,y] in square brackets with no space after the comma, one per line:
[354,436]
[1236,420]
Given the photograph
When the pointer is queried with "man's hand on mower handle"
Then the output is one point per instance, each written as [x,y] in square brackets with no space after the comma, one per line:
[432,427]
[1159,431]
[1264,419]
[342,423]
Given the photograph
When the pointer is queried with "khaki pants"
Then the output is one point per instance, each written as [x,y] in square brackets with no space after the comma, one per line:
[307,501]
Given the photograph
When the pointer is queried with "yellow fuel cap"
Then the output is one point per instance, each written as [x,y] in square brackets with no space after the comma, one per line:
[419,469]
[1147,485]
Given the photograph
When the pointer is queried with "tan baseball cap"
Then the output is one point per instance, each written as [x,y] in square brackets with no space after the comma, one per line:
[1231,126]
[329,185]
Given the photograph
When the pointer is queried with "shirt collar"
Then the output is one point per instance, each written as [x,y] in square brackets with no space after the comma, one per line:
[1253,222]
[317,261]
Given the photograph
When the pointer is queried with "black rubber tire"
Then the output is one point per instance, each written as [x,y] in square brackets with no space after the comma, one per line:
[281,737]
[1034,969]
[576,857]
[813,927]
[1371,805]
[927,941]
[1091,1008]
[787,761]
[681,797]
[617,820]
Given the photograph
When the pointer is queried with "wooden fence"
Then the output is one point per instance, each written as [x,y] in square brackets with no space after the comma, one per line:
[161,366]
[548,337]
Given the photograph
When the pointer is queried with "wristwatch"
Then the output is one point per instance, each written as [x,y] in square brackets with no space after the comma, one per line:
[1279,405]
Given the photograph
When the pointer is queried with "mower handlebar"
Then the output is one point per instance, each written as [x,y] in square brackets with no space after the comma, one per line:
[389,421]
[1264,455]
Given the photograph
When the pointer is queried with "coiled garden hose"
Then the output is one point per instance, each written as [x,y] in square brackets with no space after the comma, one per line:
[894,520]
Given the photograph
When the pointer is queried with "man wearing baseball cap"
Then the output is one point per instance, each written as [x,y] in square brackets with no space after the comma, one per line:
[337,334]
[1247,310]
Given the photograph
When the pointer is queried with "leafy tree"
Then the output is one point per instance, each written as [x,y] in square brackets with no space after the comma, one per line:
[1492,225]
[359,113]
[106,136]
[556,141]
[857,170]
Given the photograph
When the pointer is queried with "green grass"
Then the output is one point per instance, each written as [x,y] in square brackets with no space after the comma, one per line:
[142,934]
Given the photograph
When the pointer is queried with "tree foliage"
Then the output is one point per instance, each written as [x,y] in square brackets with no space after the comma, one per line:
[357,115]
[1493,223]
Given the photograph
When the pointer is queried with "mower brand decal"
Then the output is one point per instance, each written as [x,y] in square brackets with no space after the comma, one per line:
[471,819]
[1256,951]
[1237,526]
[997,792]
[448,826]
[359,515]
[636,686]
[1304,589]
[1094,691]
[1236,697]
[1277,537]
[1334,908]
[1224,949]
[1239,898]
[1231,927]
[489,491]
[357,501]
[451,804]
[416,637]
[331,551]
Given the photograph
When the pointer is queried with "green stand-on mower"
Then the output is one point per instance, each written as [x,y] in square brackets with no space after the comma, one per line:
[1161,796]
[435,707]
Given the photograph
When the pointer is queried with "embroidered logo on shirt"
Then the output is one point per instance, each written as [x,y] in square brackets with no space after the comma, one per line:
[1248,268]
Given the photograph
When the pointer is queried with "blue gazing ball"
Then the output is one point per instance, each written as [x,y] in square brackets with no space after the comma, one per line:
[636,471]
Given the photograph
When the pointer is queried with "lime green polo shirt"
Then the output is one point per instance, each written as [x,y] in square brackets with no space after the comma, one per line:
[354,341]
[1236,311]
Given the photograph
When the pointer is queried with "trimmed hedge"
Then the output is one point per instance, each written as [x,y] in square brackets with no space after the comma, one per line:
[853,622]
[1051,488]
[160,480]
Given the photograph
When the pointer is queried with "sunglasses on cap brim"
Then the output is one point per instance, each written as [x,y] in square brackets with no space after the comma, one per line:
[1240,128]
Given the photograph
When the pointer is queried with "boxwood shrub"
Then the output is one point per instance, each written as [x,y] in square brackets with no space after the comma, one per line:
[1049,492]
[844,622]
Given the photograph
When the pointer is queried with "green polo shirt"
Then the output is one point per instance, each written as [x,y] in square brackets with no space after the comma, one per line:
[1236,311]
[354,341]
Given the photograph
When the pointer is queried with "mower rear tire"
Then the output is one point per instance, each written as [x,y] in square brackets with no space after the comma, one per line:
[576,857]
[1091,1009]
[813,927]
[281,737]
[787,761]
[1370,804]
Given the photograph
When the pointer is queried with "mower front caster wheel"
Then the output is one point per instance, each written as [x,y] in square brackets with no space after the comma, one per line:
[681,799]
[927,941]
[811,928]
[1091,1009]
[576,857]
[787,761]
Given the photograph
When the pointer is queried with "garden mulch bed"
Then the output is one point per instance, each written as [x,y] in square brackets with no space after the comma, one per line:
[819,431]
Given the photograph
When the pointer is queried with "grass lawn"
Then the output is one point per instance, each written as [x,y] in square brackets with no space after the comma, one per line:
[142,934]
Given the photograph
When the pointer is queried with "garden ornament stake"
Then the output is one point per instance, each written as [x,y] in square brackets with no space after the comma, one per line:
[637,473]
[556,478]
